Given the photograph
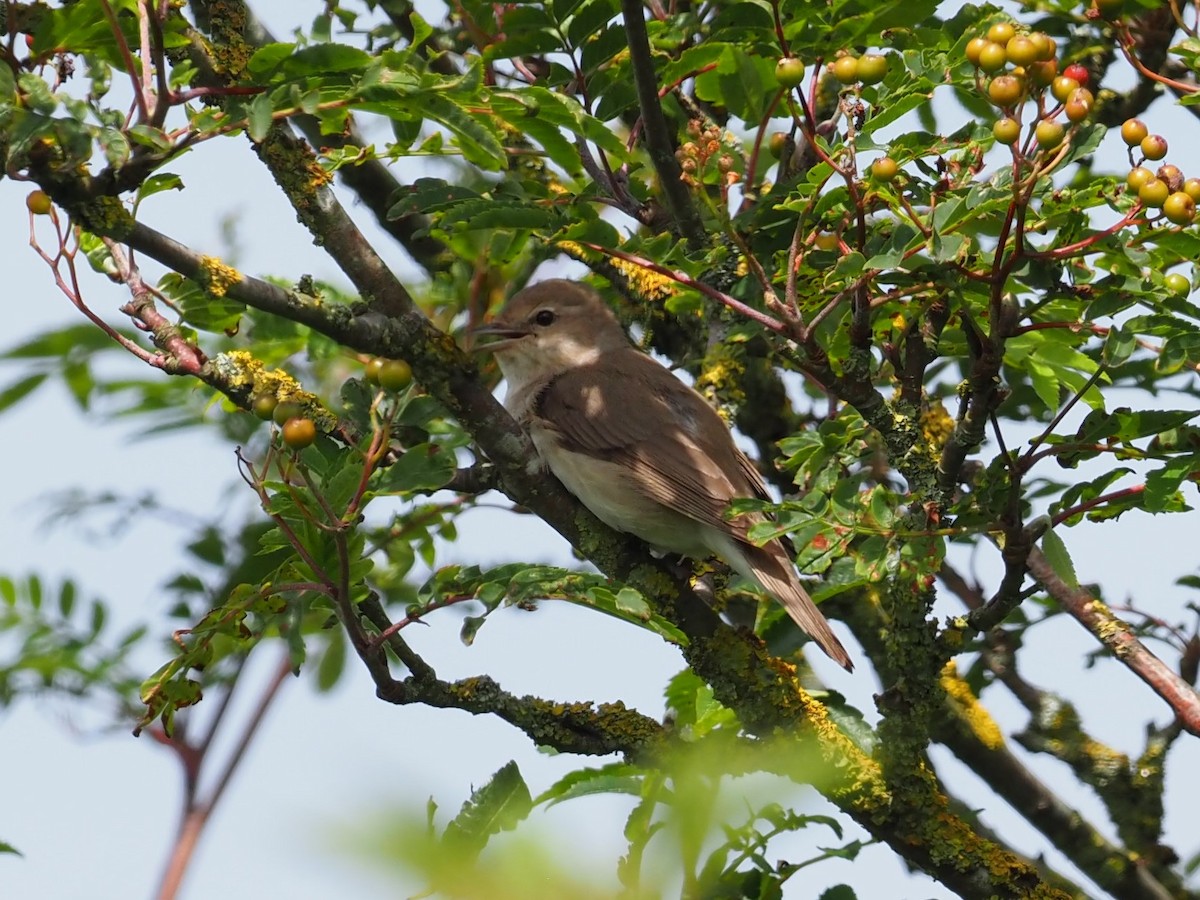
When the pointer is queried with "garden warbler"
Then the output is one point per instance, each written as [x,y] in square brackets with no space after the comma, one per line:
[637,446]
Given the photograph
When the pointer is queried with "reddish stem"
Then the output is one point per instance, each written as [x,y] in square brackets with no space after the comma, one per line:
[1098,501]
[1115,634]
[197,813]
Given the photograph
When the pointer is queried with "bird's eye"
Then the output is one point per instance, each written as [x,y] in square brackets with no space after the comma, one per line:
[544,317]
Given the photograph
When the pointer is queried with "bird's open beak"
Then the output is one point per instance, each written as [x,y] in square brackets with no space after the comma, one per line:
[497,336]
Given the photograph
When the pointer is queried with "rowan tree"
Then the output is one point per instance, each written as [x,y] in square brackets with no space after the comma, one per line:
[887,240]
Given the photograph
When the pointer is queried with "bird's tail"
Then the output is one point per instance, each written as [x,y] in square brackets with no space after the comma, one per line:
[770,567]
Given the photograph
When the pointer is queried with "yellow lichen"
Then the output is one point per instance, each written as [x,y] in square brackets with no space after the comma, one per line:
[937,424]
[978,719]
[647,284]
[575,250]
[318,175]
[216,276]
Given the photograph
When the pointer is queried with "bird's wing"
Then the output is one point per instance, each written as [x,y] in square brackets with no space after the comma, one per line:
[675,448]
[673,444]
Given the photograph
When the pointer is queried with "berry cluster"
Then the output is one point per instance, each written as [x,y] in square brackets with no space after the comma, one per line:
[870,68]
[1165,188]
[706,148]
[297,429]
[1024,66]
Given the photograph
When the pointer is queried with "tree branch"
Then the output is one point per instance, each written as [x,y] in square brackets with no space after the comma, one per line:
[1117,636]
[654,127]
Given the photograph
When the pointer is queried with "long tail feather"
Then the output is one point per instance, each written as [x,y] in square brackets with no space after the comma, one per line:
[770,567]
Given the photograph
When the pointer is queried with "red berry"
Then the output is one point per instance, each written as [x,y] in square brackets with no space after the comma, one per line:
[1078,72]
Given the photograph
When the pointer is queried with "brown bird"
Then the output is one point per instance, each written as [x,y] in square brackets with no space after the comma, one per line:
[637,446]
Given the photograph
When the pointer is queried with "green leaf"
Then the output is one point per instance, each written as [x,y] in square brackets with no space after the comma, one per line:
[1118,346]
[267,59]
[259,117]
[322,59]
[156,184]
[893,110]
[477,141]
[199,308]
[425,467]
[589,18]
[1058,557]
[428,195]
[333,660]
[20,389]
[615,778]
[1162,485]
[742,83]
[839,892]
[500,805]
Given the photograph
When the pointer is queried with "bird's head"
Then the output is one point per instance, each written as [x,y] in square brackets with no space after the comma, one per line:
[551,327]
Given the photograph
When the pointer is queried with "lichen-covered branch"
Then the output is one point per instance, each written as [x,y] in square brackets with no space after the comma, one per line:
[1119,638]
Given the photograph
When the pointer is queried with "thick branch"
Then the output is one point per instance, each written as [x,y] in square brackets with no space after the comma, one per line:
[967,729]
[654,127]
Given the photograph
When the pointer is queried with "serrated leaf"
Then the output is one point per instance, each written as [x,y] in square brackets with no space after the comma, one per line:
[500,805]
[1118,346]
[156,184]
[425,467]
[1058,557]
[268,58]
[476,141]
[615,778]
[321,59]
[1162,485]
[893,110]
[259,116]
